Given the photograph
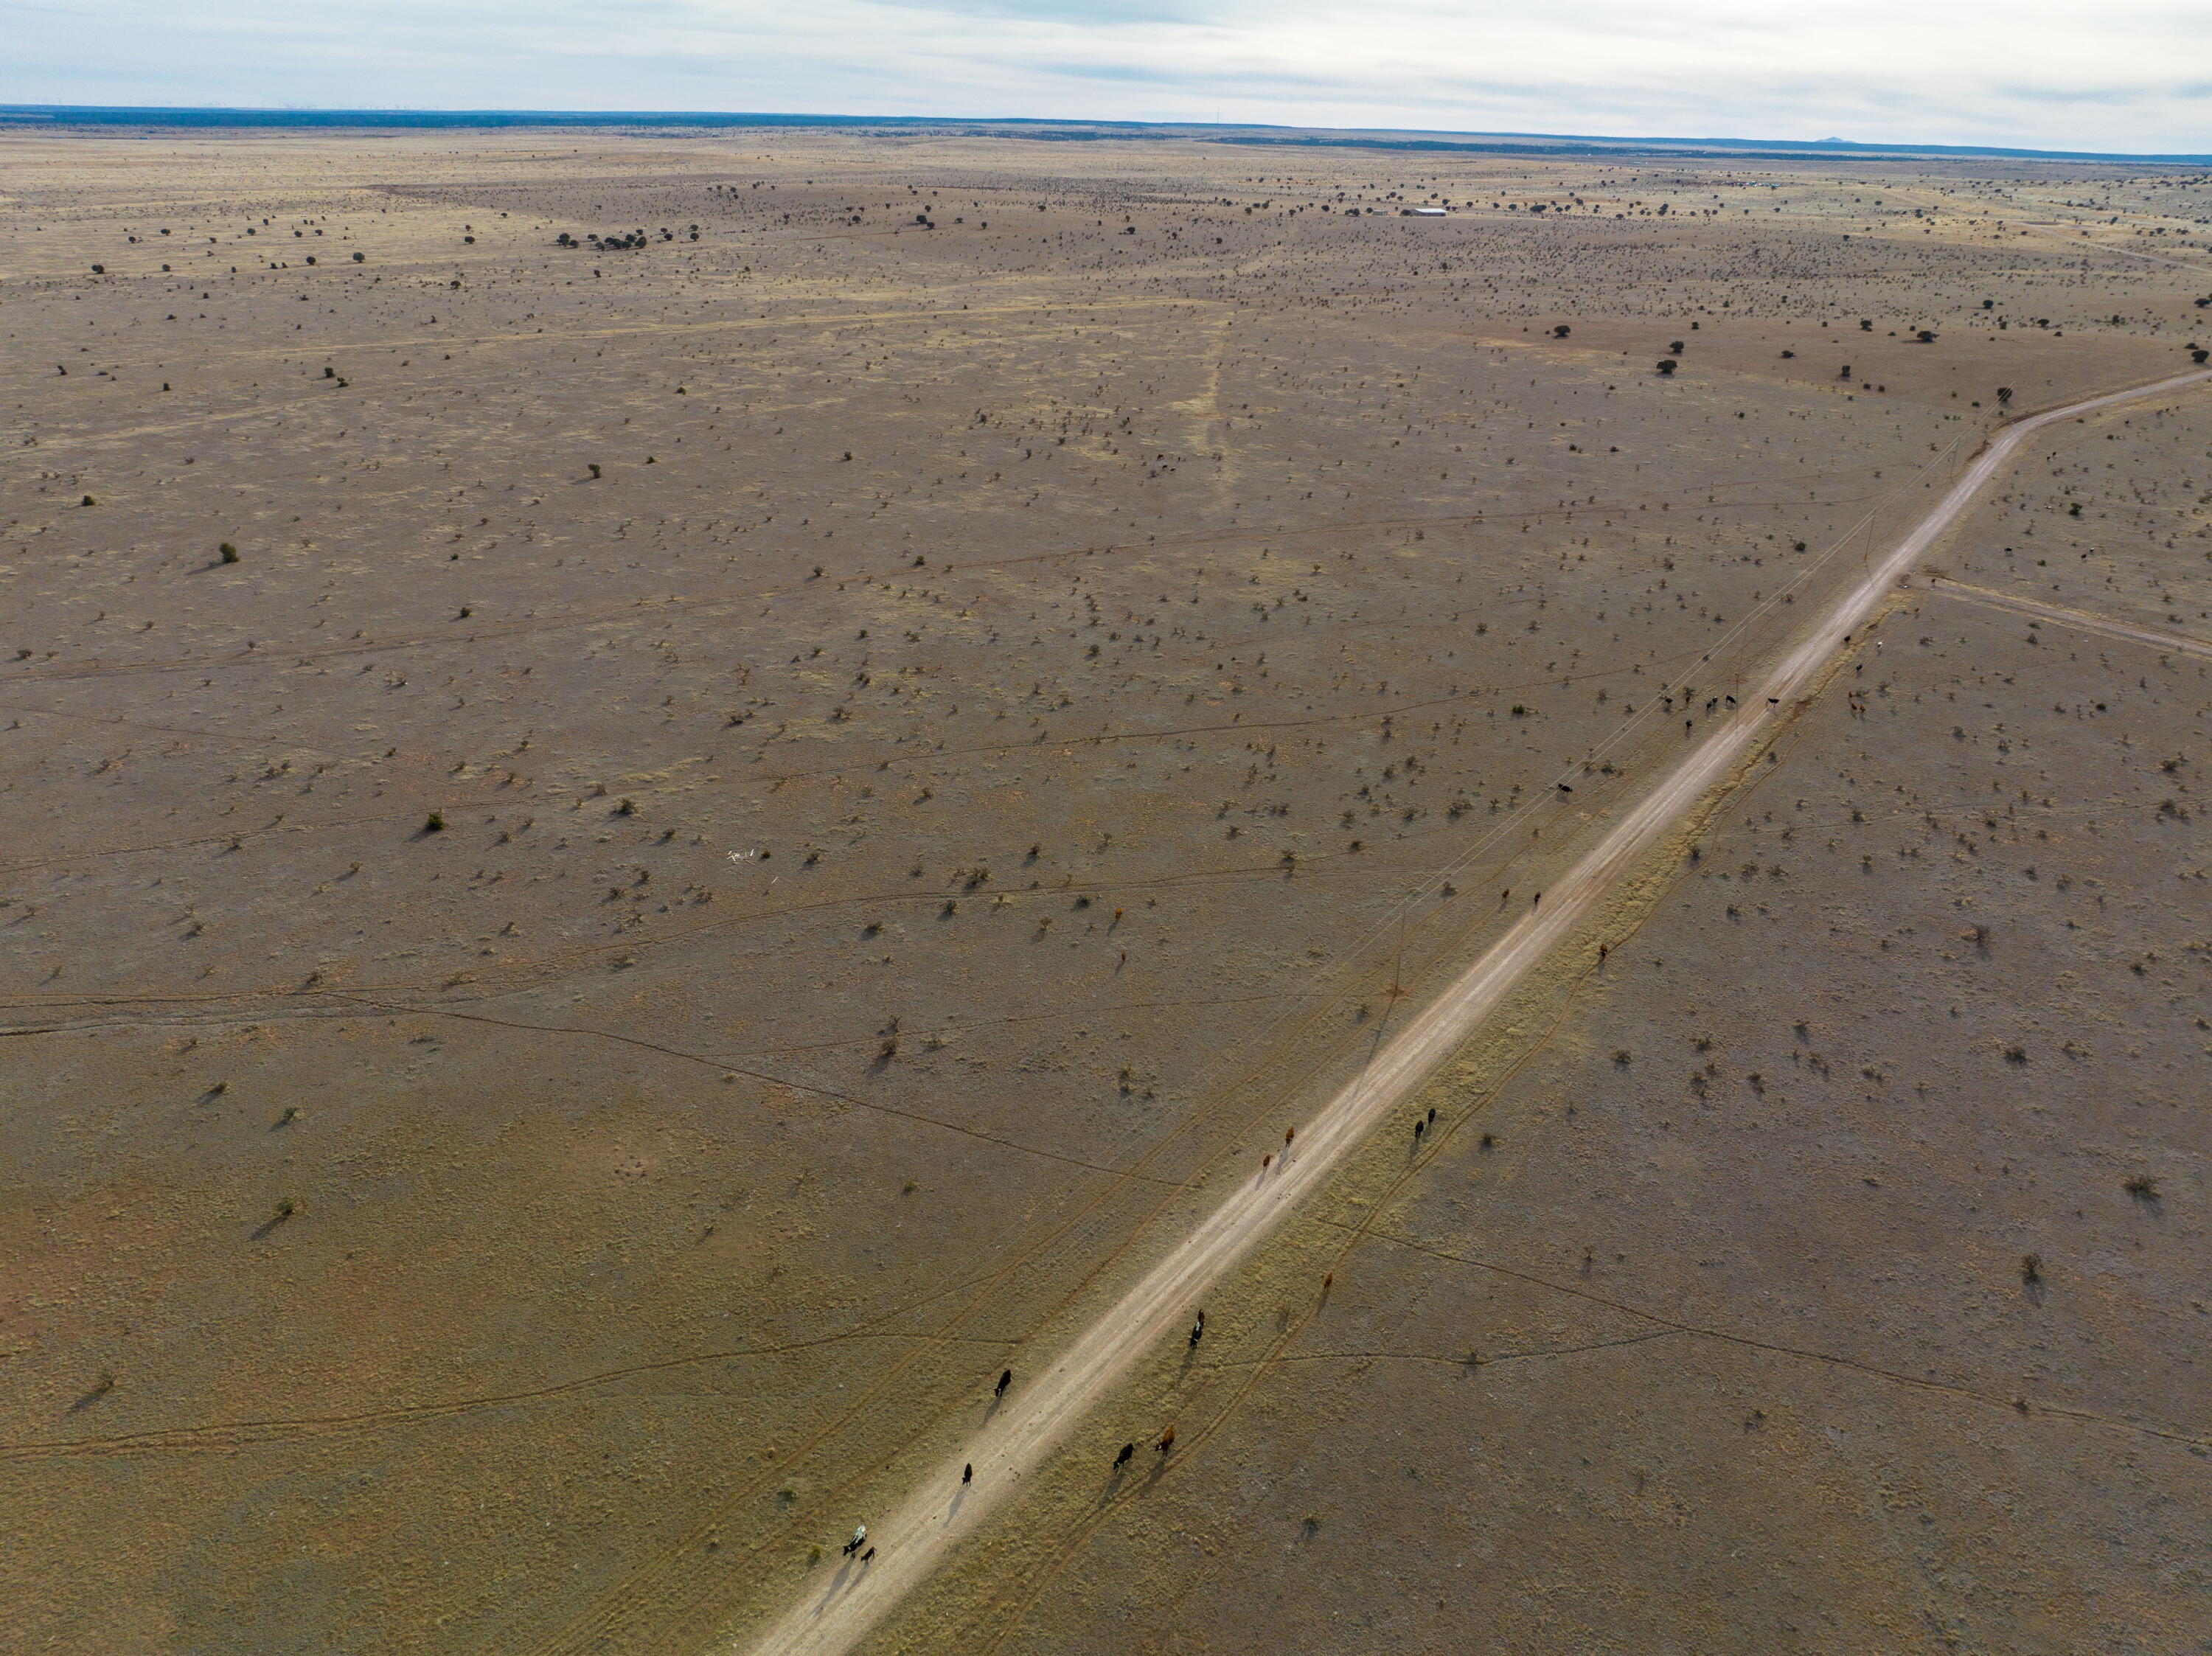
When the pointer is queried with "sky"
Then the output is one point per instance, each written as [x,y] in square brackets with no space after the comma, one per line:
[2132,76]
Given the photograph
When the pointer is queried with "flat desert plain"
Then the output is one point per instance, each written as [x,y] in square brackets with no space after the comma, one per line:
[667,798]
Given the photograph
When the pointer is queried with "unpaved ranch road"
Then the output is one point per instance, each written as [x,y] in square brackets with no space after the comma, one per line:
[910,1542]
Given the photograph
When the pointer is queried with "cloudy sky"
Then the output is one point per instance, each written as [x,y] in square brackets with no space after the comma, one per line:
[2112,75]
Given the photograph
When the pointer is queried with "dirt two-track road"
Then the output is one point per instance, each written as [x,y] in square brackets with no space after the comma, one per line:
[909,1543]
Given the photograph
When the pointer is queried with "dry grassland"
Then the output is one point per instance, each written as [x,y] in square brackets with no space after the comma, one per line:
[755,816]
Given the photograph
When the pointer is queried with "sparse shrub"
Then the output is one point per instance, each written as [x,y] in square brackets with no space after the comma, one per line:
[433,823]
[2005,394]
[2031,1269]
[2142,1187]
[1666,365]
[229,552]
[88,500]
[594,466]
[627,808]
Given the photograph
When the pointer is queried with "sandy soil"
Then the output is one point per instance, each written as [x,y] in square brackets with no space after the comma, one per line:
[874,896]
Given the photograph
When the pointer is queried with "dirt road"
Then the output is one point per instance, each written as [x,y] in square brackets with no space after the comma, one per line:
[2074,618]
[834,1613]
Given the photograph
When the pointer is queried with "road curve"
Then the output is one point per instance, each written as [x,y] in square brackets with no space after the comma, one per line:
[833,1614]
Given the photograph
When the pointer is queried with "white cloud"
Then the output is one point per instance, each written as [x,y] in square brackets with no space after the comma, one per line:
[2126,75]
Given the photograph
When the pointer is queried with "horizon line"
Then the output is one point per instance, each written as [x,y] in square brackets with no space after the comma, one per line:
[1424,140]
